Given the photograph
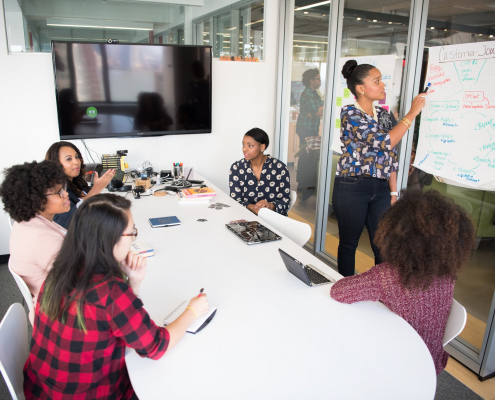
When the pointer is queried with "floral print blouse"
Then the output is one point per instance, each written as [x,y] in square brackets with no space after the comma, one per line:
[274,184]
[366,144]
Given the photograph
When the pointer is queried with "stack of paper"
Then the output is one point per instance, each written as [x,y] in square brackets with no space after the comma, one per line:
[142,249]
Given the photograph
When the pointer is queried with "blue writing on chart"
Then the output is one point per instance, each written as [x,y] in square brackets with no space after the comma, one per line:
[457,129]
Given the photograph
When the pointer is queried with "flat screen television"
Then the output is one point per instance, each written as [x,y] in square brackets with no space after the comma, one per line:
[119,90]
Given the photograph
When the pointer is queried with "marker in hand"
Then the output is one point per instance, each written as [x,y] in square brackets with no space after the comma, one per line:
[201,292]
[427,87]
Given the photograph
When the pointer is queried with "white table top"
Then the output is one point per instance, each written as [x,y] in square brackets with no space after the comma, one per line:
[273,337]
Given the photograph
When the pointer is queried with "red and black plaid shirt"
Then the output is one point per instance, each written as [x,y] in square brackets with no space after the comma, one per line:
[67,363]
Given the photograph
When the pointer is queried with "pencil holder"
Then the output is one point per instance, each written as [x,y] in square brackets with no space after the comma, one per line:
[178,172]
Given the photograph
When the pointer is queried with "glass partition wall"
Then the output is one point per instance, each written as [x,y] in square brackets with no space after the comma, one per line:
[394,37]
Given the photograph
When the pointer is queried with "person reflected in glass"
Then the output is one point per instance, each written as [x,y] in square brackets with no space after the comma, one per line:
[152,115]
[366,176]
[88,310]
[69,156]
[424,241]
[308,125]
[258,180]
[32,194]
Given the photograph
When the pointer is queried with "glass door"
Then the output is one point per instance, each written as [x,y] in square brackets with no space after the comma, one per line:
[451,23]
[373,33]
[305,99]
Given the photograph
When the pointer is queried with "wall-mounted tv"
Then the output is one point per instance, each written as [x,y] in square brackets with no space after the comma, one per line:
[120,90]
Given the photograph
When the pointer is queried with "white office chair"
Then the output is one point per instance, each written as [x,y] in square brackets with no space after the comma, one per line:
[14,349]
[24,290]
[293,198]
[455,323]
[297,231]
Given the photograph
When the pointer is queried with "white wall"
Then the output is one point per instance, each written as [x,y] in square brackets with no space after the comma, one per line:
[243,97]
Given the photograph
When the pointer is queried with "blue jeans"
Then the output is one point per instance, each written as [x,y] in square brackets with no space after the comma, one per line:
[358,201]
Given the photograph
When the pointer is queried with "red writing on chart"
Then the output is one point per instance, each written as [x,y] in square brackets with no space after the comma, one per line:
[474,96]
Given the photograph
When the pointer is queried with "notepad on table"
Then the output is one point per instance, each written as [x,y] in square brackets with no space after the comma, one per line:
[198,324]
[164,221]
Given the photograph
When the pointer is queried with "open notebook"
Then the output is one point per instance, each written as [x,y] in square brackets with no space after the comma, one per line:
[198,324]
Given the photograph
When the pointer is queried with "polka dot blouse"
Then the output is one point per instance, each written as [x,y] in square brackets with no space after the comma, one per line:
[273,186]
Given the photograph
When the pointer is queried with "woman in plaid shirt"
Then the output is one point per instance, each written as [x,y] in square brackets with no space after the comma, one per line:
[88,310]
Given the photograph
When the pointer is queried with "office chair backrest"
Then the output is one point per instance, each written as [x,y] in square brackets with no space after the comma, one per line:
[24,289]
[297,231]
[14,349]
[293,198]
[455,323]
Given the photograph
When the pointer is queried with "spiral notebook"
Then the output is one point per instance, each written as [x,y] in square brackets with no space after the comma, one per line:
[198,324]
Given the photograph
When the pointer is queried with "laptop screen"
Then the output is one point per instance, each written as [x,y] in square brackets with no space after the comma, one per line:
[295,267]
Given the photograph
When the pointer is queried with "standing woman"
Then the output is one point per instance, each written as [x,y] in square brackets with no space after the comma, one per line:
[258,181]
[366,177]
[308,124]
[69,156]
[88,311]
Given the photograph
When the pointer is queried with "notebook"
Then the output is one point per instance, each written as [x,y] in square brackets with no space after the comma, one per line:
[164,221]
[252,232]
[198,324]
[309,274]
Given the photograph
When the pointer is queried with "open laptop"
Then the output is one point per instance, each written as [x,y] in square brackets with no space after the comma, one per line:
[252,232]
[309,274]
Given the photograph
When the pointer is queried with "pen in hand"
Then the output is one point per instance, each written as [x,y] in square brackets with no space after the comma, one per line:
[201,292]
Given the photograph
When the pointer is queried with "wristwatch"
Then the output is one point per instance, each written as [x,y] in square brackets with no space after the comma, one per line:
[394,194]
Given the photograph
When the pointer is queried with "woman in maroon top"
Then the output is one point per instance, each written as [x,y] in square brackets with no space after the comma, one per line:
[88,310]
[424,239]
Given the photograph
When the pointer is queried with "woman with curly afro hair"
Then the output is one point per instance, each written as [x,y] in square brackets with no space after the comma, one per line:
[424,239]
[32,193]
[71,160]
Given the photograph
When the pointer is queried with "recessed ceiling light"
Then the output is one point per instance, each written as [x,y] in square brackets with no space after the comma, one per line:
[445,30]
[491,35]
[432,28]
[305,12]
[480,34]
[375,20]
[359,19]
[390,23]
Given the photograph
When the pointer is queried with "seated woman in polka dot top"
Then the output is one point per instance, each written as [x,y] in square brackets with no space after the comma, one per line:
[258,181]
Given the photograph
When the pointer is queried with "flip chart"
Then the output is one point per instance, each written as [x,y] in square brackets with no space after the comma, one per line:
[457,131]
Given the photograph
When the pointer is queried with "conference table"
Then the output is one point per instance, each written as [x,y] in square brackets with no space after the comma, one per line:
[272,337]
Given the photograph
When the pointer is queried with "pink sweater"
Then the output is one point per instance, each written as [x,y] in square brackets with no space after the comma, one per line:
[33,247]
[426,311]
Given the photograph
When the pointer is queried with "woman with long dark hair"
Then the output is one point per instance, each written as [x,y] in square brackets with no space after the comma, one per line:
[424,239]
[69,156]
[366,177]
[88,310]
[32,194]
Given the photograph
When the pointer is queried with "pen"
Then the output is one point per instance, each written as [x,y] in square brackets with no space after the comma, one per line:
[427,87]
[201,292]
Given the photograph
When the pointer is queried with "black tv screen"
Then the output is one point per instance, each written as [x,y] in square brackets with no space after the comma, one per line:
[115,90]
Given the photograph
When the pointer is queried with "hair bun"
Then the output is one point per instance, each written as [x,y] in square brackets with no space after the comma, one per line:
[348,68]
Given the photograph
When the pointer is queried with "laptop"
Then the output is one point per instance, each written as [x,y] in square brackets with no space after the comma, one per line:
[309,274]
[252,232]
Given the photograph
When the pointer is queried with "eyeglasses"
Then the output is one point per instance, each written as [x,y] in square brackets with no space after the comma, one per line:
[61,192]
[134,233]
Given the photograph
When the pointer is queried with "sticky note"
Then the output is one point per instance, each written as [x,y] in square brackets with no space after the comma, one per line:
[339,101]
[347,93]
[337,123]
